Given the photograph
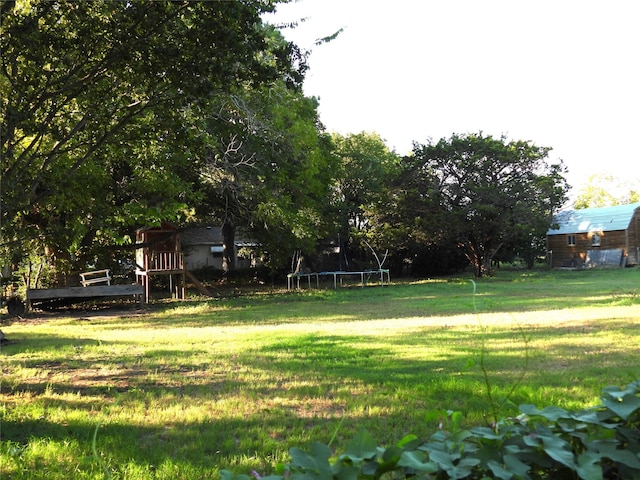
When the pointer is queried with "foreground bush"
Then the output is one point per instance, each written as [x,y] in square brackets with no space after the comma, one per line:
[602,442]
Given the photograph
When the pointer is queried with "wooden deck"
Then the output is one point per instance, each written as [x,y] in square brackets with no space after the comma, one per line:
[94,291]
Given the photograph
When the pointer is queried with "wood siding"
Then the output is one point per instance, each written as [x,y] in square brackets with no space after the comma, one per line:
[633,233]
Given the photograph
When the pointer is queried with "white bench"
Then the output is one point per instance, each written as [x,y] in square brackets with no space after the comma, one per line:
[97,276]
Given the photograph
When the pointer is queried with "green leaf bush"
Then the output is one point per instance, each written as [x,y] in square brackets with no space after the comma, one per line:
[598,443]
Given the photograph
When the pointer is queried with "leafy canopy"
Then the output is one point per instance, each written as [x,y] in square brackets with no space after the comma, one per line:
[483,192]
[267,167]
[93,109]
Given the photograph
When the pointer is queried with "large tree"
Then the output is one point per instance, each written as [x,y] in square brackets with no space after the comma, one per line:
[483,192]
[367,164]
[367,167]
[94,117]
[268,168]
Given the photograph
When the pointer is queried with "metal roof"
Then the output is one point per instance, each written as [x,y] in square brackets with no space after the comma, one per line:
[604,219]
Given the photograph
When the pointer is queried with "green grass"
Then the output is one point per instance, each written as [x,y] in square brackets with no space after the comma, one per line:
[188,388]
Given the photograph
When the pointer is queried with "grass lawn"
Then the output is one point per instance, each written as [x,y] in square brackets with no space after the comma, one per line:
[184,389]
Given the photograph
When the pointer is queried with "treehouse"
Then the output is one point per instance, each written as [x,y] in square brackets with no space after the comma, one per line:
[159,254]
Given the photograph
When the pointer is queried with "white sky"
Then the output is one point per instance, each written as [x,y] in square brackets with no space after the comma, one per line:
[562,73]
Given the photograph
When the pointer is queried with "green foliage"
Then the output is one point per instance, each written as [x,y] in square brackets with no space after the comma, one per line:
[267,167]
[606,190]
[591,444]
[479,193]
[366,166]
[367,173]
[94,104]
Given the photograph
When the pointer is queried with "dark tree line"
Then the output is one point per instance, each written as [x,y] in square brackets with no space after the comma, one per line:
[467,199]
[117,115]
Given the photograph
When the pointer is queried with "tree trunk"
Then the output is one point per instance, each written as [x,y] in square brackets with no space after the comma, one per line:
[487,258]
[474,254]
[486,264]
[228,246]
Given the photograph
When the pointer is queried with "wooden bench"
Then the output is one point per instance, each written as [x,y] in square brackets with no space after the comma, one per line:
[96,276]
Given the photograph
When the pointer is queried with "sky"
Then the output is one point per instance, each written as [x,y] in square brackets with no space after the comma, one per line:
[563,74]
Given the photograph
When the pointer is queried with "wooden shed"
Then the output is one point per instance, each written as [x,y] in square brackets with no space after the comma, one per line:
[607,236]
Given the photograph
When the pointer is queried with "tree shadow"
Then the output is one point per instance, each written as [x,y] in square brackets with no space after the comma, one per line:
[311,382]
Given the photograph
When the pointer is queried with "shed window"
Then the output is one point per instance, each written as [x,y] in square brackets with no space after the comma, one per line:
[571,240]
[595,240]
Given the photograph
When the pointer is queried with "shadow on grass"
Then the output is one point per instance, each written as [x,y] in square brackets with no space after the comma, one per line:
[207,445]
[510,292]
[380,308]
[214,443]
[108,368]
[285,391]
[320,365]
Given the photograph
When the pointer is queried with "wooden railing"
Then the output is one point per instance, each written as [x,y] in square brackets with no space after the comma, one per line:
[162,261]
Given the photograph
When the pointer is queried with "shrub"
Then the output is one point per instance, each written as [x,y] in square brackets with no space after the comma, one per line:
[602,442]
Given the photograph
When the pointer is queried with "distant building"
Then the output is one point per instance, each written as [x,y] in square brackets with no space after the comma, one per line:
[607,236]
[202,248]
